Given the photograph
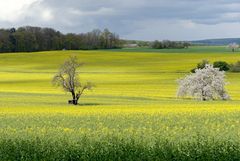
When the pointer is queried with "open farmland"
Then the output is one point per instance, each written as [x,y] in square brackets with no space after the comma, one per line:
[131,114]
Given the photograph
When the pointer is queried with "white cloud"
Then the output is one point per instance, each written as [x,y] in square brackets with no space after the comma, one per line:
[100,12]
[188,24]
[47,15]
[132,19]
[12,10]
[232,6]
[231,16]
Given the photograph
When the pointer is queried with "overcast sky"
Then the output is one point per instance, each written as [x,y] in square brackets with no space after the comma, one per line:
[131,19]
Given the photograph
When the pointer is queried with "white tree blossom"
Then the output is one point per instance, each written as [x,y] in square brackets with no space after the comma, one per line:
[205,84]
[233,46]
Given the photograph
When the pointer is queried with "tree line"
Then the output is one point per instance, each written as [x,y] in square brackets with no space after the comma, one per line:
[166,44]
[28,39]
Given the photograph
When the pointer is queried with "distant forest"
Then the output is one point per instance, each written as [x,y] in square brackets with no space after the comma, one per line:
[28,39]
[164,44]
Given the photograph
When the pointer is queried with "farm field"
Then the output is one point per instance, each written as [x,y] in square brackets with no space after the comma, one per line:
[131,114]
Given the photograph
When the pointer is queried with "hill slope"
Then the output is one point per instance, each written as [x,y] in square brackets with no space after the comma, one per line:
[132,113]
[225,41]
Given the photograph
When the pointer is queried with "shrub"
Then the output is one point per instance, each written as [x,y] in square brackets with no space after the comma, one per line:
[200,65]
[222,65]
[235,67]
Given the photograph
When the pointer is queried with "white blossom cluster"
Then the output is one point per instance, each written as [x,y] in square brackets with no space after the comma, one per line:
[233,46]
[205,84]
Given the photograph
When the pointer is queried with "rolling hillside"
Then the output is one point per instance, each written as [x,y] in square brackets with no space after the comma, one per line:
[131,114]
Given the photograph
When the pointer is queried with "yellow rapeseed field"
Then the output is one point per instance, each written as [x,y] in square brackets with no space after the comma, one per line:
[132,113]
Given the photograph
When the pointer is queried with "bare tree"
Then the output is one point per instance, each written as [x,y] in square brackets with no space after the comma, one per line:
[206,84]
[68,79]
[233,46]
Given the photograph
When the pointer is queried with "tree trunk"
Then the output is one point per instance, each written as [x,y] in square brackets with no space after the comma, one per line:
[74,99]
[203,96]
[77,99]
[75,102]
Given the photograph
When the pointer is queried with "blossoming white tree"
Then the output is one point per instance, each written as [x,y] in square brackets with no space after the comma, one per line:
[205,84]
[233,46]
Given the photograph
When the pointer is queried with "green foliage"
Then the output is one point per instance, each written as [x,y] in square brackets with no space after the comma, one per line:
[235,67]
[166,44]
[114,148]
[222,65]
[27,39]
[200,65]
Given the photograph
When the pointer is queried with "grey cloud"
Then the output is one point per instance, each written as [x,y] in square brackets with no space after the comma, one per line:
[134,19]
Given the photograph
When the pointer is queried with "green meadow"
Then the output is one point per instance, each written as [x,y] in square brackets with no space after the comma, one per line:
[131,114]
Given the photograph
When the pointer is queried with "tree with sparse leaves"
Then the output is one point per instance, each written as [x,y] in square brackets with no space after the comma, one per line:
[205,84]
[68,79]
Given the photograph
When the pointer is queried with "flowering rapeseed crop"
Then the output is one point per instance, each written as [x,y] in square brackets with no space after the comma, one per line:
[132,114]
